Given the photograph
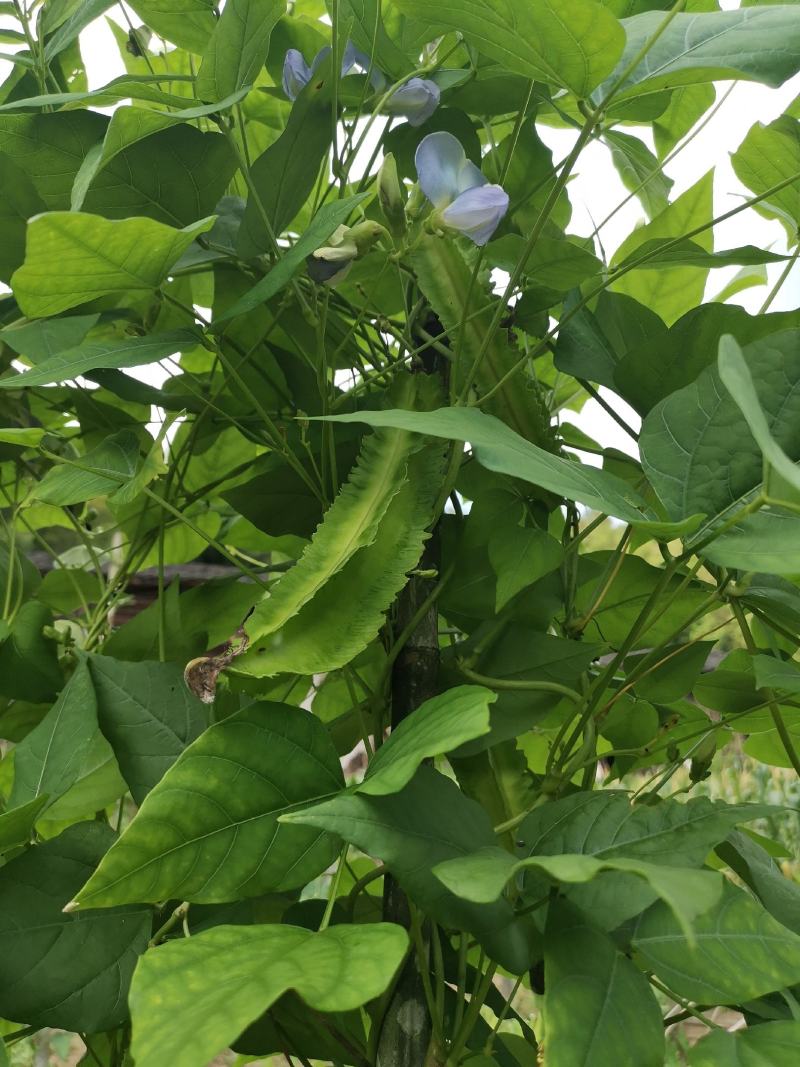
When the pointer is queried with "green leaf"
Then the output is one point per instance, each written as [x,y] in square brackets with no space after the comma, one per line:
[195,838]
[737,379]
[350,524]
[767,156]
[427,822]
[181,1018]
[600,1009]
[46,338]
[285,174]
[779,894]
[28,660]
[639,170]
[697,447]
[22,436]
[19,201]
[132,352]
[607,826]
[333,627]
[498,448]
[761,44]
[66,971]
[372,35]
[520,557]
[774,673]
[762,543]
[174,176]
[147,715]
[483,876]
[669,291]
[16,826]
[664,252]
[187,23]
[100,472]
[570,43]
[50,149]
[439,725]
[635,582]
[48,761]
[238,47]
[667,360]
[773,1043]
[741,952]
[319,230]
[96,257]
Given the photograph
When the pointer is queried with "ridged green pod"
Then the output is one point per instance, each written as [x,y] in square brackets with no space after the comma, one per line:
[444,277]
[350,524]
[333,627]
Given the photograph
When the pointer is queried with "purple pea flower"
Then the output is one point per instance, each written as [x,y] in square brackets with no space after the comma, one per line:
[416,101]
[297,73]
[462,197]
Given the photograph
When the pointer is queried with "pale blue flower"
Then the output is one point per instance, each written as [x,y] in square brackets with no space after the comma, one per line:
[297,73]
[462,197]
[416,101]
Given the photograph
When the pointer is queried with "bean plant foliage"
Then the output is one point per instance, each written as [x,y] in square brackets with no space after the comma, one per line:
[299,293]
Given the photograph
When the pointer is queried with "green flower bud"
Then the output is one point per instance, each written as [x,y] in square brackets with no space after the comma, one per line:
[391,194]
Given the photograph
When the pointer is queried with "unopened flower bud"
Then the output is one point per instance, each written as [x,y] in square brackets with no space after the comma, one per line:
[391,194]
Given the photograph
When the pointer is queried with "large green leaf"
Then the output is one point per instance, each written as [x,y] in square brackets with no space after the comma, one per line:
[767,156]
[48,761]
[737,379]
[697,448]
[50,149]
[772,1044]
[187,23]
[521,556]
[238,47]
[147,715]
[132,352]
[763,543]
[19,201]
[741,951]
[182,1016]
[377,30]
[570,43]
[779,894]
[599,1007]
[94,257]
[500,449]
[333,626]
[67,971]
[197,838]
[427,822]
[605,825]
[439,725]
[28,660]
[285,174]
[759,44]
[666,360]
[100,472]
[483,876]
[175,176]
[671,291]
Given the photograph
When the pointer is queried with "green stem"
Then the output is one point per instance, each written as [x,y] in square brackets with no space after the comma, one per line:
[335,882]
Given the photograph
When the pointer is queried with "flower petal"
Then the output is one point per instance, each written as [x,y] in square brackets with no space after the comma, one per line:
[443,168]
[416,100]
[296,73]
[319,59]
[477,212]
